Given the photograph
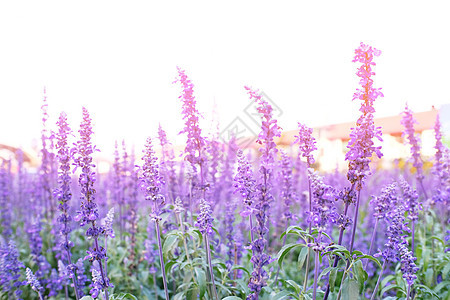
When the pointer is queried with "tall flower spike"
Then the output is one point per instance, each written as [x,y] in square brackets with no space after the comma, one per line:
[63,193]
[269,130]
[441,166]
[306,143]
[89,209]
[409,133]
[34,283]
[244,182]
[191,117]
[361,145]
[151,185]
[10,268]
[205,219]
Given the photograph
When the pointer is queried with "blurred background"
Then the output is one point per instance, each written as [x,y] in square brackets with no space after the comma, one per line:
[119,60]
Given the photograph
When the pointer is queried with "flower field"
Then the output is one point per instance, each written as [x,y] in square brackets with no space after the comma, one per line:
[225,222]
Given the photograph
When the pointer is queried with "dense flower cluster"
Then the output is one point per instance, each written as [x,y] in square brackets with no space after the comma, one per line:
[287,191]
[269,130]
[408,122]
[361,145]
[89,209]
[410,200]
[191,116]
[5,201]
[151,180]
[394,233]
[205,219]
[244,182]
[323,196]
[441,167]
[10,268]
[306,143]
[384,203]
[33,282]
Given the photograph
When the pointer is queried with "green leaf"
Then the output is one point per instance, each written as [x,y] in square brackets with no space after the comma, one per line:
[295,285]
[360,274]
[350,289]
[427,290]
[302,257]
[123,296]
[285,250]
[371,258]
[446,270]
[168,265]
[240,268]
[201,280]
[388,288]
[332,280]
[87,298]
[231,298]
[169,243]
[438,239]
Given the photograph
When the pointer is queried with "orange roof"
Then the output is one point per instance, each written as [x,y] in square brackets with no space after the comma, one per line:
[389,125]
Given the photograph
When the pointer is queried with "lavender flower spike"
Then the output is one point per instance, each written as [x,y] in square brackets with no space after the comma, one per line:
[269,131]
[89,210]
[34,283]
[151,185]
[63,193]
[409,133]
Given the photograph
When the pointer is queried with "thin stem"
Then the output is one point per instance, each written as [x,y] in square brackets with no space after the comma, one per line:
[409,292]
[185,246]
[105,286]
[73,275]
[40,296]
[66,290]
[161,258]
[251,228]
[208,257]
[305,282]
[316,274]
[374,233]
[355,221]
[284,243]
[423,189]
[378,281]
[336,260]
[155,286]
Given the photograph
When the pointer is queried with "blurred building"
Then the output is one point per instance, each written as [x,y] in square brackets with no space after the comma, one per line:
[332,139]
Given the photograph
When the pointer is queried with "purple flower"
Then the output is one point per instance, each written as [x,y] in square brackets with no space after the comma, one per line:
[89,210]
[5,200]
[10,268]
[83,160]
[361,145]
[167,165]
[407,259]
[306,143]
[394,233]
[195,141]
[287,192]
[385,202]
[151,181]
[410,200]
[322,198]
[244,182]
[408,122]
[205,219]
[269,130]
[33,282]
[63,193]
[441,167]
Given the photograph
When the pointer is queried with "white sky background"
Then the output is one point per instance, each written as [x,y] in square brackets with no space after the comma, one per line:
[119,60]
